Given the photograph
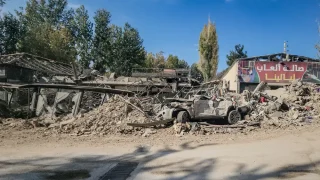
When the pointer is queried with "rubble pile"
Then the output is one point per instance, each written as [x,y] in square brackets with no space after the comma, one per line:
[110,118]
[297,104]
[294,105]
[17,124]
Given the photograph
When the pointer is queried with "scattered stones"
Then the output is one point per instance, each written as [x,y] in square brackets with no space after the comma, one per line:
[110,118]
[296,105]
[301,101]
[148,132]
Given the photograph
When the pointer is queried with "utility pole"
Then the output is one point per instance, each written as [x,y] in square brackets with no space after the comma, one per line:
[285,50]
[285,45]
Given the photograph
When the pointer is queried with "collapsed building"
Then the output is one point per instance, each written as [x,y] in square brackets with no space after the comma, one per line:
[150,81]
[25,68]
[275,69]
[67,99]
[34,86]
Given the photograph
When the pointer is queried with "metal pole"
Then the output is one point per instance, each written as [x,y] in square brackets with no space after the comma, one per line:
[28,103]
[74,71]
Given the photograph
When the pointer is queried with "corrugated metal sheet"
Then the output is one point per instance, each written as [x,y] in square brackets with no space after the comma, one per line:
[37,63]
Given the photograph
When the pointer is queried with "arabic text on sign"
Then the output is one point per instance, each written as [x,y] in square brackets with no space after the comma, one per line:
[281,77]
[277,67]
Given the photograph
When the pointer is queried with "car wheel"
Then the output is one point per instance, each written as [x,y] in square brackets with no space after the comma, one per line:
[234,116]
[183,117]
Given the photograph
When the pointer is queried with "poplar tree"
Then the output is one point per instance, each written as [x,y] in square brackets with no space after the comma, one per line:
[208,51]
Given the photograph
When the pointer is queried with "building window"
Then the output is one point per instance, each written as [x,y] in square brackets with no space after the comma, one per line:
[251,64]
[246,64]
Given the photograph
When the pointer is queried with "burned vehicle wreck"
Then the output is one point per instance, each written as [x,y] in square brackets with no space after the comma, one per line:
[201,107]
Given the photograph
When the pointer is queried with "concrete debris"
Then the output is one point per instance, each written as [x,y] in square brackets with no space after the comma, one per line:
[17,124]
[297,104]
[110,118]
[300,102]
[148,132]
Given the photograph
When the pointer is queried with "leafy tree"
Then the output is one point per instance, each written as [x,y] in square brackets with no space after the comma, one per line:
[2,2]
[172,62]
[58,40]
[160,60]
[318,45]
[150,60]
[83,33]
[155,60]
[102,41]
[183,64]
[127,50]
[11,31]
[43,21]
[54,11]
[196,73]
[134,46]
[208,49]
[236,54]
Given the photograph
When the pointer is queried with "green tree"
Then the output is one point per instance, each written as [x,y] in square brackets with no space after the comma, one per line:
[127,50]
[150,60]
[318,45]
[183,64]
[208,50]
[196,73]
[54,12]
[160,60]
[172,62]
[11,32]
[83,33]
[155,60]
[2,2]
[102,41]
[236,54]
[43,21]
[58,40]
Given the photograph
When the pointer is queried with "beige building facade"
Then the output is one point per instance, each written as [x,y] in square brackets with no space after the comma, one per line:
[275,69]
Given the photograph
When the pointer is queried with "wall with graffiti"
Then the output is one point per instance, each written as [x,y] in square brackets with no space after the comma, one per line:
[278,72]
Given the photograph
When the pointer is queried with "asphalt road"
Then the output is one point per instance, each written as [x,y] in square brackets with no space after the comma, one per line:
[293,156]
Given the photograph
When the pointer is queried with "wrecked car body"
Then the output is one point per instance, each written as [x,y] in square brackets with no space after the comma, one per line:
[201,107]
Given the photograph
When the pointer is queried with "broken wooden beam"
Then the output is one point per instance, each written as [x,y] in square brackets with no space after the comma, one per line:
[150,124]
[136,107]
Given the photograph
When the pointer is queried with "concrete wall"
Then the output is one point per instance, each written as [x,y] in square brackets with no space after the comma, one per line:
[232,77]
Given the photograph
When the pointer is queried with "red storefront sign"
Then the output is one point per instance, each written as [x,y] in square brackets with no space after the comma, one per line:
[280,72]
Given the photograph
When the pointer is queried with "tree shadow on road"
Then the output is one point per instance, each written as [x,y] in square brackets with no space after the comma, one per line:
[158,164]
[290,171]
[83,167]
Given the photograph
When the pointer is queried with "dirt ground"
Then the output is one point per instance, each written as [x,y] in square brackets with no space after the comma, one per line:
[41,137]
[26,153]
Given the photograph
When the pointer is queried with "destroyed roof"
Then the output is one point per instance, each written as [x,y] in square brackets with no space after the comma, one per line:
[37,63]
[66,86]
[159,72]
[271,57]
